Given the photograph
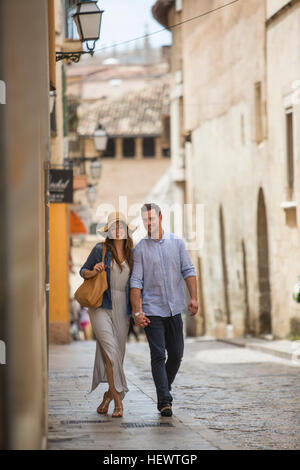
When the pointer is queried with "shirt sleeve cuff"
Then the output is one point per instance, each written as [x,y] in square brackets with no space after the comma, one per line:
[190,273]
[82,271]
[136,284]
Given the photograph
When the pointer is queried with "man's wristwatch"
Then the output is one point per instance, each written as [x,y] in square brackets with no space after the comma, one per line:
[137,314]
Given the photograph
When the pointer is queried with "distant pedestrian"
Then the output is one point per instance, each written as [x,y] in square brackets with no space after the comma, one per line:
[110,321]
[74,319]
[160,261]
[85,324]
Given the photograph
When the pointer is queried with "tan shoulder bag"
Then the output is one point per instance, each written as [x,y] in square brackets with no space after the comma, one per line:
[90,293]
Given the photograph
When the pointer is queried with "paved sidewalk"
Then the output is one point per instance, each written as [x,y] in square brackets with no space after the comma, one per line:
[75,424]
[284,349]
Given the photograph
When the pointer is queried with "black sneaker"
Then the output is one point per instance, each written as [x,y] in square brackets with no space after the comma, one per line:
[166,410]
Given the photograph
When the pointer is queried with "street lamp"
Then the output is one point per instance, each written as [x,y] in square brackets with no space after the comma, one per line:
[88,19]
[96,168]
[100,138]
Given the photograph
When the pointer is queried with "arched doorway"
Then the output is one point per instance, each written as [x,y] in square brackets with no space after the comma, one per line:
[201,297]
[264,324]
[246,295]
[224,266]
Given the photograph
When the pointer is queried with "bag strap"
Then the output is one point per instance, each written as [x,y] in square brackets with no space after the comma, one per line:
[103,251]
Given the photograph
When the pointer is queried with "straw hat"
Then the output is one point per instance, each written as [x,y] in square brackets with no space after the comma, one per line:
[112,218]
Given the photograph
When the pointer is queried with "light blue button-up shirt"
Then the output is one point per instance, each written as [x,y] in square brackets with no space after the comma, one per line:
[158,269]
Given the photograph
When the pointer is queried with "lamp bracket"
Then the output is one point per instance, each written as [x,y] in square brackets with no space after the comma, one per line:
[73,56]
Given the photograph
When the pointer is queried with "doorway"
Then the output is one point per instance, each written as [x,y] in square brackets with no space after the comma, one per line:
[264,322]
[224,266]
[246,294]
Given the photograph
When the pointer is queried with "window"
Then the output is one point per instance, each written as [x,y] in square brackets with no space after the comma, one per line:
[148,147]
[110,151]
[258,113]
[93,228]
[165,138]
[74,146]
[166,131]
[70,8]
[82,166]
[128,146]
[53,125]
[290,150]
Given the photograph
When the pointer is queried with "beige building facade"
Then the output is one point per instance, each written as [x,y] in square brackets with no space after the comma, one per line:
[61,40]
[240,157]
[28,148]
[24,149]
[283,107]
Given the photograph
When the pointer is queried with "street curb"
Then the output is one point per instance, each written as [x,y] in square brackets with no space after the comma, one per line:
[264,348]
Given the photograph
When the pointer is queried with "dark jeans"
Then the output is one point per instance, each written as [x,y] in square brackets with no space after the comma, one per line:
[165,333]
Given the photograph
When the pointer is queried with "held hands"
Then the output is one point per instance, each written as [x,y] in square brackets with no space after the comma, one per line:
[141,320]
[193,307]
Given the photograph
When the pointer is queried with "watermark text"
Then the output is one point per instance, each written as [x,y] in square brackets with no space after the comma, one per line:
[184,220]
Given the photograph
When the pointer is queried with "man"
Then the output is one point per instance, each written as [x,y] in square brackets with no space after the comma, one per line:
[160,262]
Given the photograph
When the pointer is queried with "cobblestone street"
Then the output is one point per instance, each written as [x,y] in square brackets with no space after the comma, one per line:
[225,397]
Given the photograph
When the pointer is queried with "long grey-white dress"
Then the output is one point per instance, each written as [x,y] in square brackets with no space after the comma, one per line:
[111,328]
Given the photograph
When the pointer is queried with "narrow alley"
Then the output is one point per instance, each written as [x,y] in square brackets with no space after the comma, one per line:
[149,174]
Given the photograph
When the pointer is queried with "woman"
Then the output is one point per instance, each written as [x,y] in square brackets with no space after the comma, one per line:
[110,321]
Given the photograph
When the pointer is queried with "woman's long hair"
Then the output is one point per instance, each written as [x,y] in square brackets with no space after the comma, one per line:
[128,247]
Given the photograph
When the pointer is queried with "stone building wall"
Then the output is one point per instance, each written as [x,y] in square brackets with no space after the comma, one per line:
[240,71]
[283,96]
[224,109]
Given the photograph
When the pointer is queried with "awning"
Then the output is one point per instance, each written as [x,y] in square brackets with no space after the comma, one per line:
[76,224]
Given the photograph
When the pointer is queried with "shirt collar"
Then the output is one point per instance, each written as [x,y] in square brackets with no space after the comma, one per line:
[164,236]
